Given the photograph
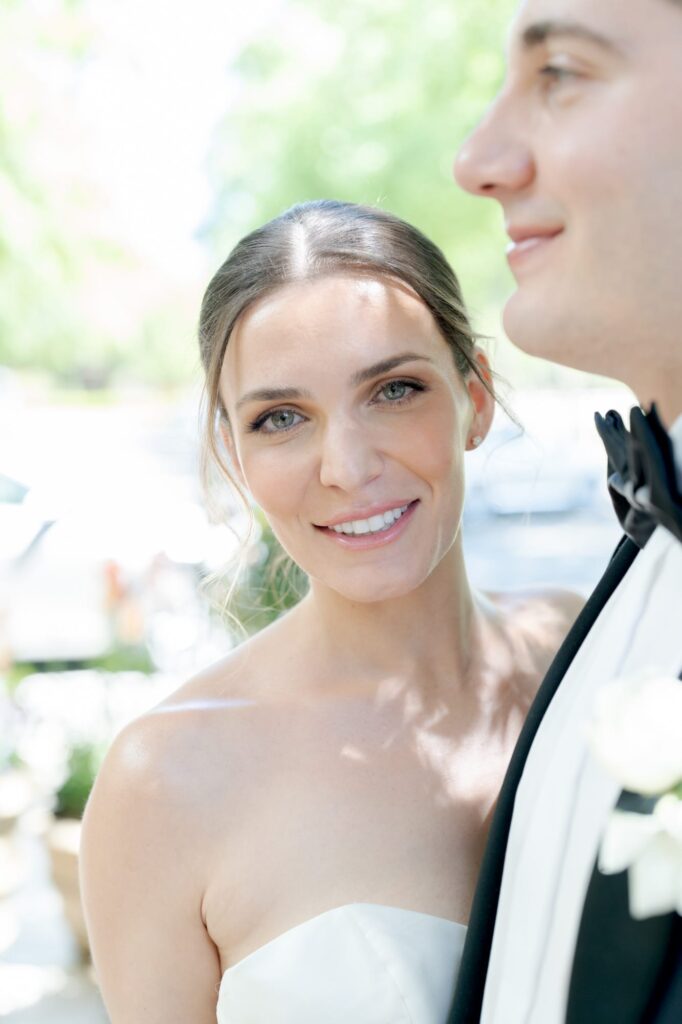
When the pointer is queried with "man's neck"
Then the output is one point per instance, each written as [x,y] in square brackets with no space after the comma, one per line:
[667,394]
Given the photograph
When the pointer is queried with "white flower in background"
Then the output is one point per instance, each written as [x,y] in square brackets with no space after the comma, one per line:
[637,737]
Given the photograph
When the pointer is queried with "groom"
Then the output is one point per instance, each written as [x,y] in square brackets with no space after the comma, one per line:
[582,149]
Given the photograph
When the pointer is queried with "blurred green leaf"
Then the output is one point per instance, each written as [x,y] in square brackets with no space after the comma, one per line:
[72,795]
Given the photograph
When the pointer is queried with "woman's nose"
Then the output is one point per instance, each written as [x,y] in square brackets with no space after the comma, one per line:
[349,458]
[495,159]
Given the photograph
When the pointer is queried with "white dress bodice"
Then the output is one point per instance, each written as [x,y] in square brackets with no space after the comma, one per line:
[361,963]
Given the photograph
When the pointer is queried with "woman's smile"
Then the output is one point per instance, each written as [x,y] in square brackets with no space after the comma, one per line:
[381,527]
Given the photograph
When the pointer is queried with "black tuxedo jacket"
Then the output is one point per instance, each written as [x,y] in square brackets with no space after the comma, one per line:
[625,971]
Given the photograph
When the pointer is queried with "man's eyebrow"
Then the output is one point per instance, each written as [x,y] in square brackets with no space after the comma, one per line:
[369,372]
[540,32]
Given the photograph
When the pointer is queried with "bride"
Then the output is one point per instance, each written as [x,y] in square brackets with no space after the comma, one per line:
[294,835]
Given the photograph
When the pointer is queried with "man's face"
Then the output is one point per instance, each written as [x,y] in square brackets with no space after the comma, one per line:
[582,148]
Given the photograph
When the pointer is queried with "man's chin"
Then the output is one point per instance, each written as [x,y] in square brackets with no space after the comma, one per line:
[535,328]
[523,324]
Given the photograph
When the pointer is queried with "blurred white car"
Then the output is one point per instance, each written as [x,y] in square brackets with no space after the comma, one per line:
[522,476]
[77,581]
[554,463]
[53,593]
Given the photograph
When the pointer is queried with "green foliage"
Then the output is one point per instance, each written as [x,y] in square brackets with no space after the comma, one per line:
[367,102]
[72,795]
[354,100]
[74,301]
[269,586]
[124,659]
[41,248]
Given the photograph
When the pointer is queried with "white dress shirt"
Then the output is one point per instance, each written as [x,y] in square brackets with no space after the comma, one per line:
[564,796]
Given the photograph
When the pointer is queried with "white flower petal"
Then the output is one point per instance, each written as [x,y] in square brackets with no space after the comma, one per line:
[627,836]
[655,879]
[637,732]
[668,814]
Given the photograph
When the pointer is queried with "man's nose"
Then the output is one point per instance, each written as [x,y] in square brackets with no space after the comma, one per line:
[496,158]
[349,457]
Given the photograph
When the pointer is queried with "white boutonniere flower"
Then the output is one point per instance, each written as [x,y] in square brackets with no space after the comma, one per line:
[637,737]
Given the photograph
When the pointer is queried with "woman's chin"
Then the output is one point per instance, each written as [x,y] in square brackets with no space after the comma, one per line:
[371,590]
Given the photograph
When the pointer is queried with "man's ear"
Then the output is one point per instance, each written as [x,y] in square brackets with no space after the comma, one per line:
[231,449]
[482,401]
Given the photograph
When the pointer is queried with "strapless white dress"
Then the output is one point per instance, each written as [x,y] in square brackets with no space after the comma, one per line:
[357,964]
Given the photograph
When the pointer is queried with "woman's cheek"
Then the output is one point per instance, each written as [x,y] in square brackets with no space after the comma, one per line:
[436,446]
[274,481]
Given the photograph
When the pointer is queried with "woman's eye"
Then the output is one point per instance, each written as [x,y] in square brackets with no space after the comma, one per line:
[396,390]
[277,422]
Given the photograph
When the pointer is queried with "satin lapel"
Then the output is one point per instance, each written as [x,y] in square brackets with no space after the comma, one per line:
[466,1007]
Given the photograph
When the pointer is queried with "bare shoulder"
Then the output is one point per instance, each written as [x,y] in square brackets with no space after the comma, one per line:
[140,807]
[167,809]
[142,877]
[166,769]
[548,612]
[536,622]
[169,755]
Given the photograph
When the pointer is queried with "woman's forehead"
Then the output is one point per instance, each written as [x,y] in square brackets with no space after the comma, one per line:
[328,294]
[326,329]
[333,314]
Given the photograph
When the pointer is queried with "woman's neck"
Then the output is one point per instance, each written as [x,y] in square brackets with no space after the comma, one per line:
[424,637]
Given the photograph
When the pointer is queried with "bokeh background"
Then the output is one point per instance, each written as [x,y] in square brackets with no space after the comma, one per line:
[138,141]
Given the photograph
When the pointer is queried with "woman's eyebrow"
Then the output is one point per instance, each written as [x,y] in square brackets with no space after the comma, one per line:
[368,373]
[272,395]
[385,366]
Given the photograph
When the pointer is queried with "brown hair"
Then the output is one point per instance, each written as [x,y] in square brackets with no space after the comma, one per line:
[312,240]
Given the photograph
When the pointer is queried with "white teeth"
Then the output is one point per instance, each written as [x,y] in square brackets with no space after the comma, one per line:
[375,524]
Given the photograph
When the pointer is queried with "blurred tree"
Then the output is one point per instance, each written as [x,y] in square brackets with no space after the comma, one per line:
[38,255]
[75,299]
[362,101]
[366,102]
[45,243]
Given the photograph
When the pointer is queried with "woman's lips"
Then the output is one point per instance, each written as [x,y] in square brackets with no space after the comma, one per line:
[363,541]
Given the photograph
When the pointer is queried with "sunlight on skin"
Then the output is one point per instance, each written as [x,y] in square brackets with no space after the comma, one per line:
[210,704]
[353,754]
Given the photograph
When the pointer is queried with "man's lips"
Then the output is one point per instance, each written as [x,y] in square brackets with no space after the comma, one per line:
[525,240]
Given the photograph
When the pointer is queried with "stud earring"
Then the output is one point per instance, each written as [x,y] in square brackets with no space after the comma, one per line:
[476,440]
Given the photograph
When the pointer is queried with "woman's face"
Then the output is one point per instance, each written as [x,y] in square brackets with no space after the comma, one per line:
[349,422]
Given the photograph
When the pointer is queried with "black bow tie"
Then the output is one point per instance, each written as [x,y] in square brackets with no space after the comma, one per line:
[642,475]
